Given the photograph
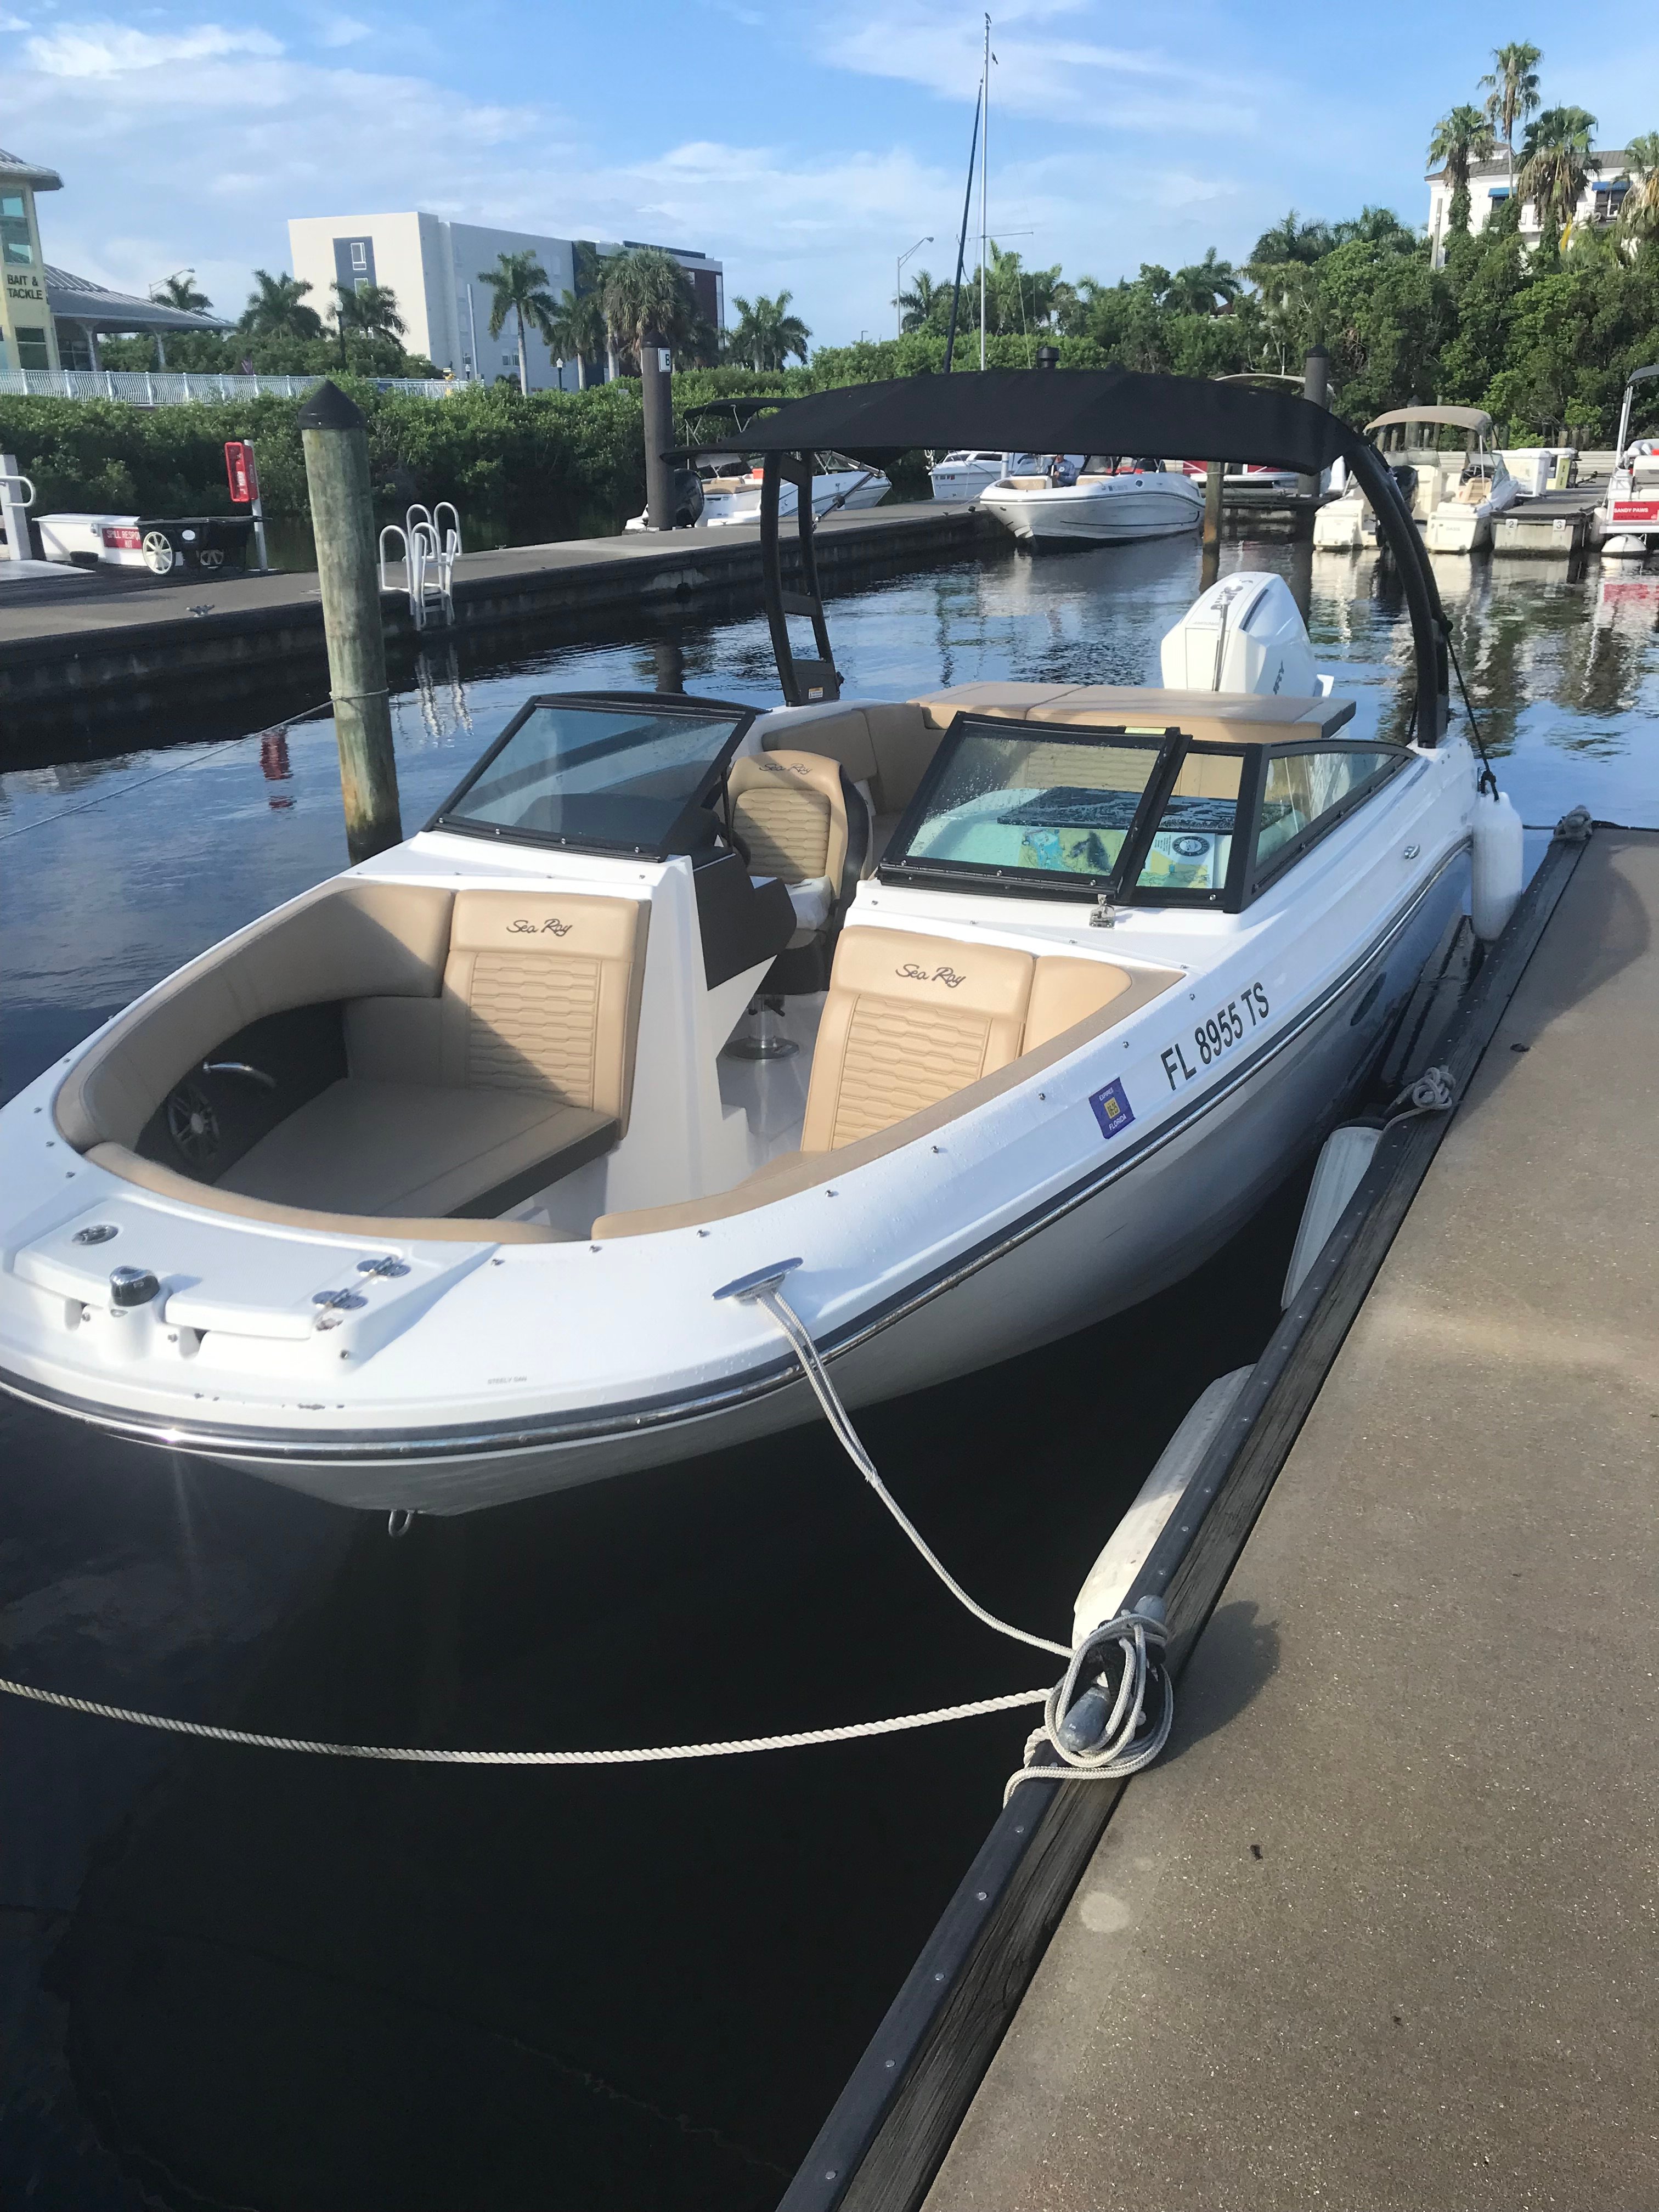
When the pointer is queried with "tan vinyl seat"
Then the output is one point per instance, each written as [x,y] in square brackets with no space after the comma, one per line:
[517,1072]
[790,810]
[908,1020]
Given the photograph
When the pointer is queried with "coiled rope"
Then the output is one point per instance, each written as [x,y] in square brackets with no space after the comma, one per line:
[1099,1733]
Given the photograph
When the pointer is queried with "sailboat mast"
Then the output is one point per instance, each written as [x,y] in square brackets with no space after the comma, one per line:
[984,143]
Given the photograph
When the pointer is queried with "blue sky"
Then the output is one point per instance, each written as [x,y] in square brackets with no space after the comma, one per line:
[806,145]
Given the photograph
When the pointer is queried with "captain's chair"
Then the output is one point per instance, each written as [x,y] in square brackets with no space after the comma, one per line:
[803,821]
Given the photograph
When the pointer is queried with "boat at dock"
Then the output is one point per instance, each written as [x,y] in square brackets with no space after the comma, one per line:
[1110,501]
[962,476]
[988,1011]
[1630,516]
[729,490]
[1455,496]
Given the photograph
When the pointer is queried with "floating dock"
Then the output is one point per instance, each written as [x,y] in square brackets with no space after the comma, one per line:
[1379,1928]
[1553,527]
[78,645]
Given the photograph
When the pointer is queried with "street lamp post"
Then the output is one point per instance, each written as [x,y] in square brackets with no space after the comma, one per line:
[898,279]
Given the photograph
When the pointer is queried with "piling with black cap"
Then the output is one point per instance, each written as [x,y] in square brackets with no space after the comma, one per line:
[657,379]
[1047,356]
[343,522]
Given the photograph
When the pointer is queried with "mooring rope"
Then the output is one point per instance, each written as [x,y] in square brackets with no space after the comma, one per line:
[426,1756]
[769,1295]
[139,783]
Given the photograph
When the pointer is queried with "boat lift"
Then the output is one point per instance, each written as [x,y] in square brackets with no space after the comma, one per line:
[430,549]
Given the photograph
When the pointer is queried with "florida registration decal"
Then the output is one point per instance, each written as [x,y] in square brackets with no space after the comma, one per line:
[1112,1109]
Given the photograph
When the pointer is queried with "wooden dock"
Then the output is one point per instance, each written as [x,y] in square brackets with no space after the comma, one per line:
[73,646]
[1378,1928]
[1553,526]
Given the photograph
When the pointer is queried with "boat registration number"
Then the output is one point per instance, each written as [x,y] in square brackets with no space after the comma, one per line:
[1215,1036]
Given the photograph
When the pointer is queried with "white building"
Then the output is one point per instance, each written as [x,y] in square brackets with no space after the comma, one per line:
[1491,185]
[435,267]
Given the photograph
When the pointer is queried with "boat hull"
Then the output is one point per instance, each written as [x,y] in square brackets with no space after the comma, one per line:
[1112,511]
[1091,1251]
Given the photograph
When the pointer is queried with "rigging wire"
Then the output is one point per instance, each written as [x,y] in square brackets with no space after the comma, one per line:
[1488,780]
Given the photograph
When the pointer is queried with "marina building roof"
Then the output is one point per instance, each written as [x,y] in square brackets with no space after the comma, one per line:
[77,299]
[15,171]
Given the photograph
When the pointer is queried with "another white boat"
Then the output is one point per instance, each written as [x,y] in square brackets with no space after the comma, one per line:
[1630,516]
[962,476]
[1455,496]
[428,1189]
[733,493]
[1110,502]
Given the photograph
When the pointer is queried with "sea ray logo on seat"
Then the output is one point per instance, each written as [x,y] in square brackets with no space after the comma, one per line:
[916,974]
[542,928]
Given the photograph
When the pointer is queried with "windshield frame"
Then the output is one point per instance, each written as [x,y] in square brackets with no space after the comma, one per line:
[674,840]
[1120,886]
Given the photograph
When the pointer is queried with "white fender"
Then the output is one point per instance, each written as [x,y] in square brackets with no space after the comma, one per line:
[1497,869]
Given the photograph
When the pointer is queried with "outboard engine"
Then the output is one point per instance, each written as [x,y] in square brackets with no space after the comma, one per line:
[1245,634]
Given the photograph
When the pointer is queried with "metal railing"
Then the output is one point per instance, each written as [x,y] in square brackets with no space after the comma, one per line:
[147,387]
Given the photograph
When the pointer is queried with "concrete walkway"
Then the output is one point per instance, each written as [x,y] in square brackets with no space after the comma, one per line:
[104,634]
[1382,1929]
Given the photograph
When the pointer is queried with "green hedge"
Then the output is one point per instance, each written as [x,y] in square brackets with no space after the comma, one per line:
[538,464]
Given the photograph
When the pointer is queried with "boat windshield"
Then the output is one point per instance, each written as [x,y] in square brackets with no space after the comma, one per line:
[619,775]
[1115,812]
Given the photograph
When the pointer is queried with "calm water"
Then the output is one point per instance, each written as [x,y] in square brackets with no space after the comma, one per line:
[229,1978]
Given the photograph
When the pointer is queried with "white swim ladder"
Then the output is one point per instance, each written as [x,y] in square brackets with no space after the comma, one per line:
[430,547]
[16,497]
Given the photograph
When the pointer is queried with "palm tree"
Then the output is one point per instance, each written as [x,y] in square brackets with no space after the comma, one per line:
[767,333]
[179,292]
[1512,92]
[1203,287]
[576,331]
[370,310]
[925,303]
[1640,212]
[518,285]
[276,308]
[1294,239]
[1557,166]
[1462,136]
[646,289]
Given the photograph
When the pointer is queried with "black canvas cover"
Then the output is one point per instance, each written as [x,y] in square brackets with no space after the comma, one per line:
[1060,411]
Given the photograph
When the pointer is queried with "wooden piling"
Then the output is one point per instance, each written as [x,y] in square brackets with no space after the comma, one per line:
[656,376]
[1210,568]
[343,522]
[1315,387]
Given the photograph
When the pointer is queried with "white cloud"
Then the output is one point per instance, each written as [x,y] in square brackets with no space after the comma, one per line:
[1041,73]
[341,31]
[110,50]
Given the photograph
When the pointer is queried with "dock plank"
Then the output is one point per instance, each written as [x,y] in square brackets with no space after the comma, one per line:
[1379,1931]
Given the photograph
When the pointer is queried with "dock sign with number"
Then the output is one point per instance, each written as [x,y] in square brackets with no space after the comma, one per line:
[1112,1109]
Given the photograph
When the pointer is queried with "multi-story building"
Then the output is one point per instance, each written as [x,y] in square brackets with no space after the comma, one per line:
[436,269]
[1492,183]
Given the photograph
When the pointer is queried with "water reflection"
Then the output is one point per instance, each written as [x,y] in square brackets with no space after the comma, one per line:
[226,1979]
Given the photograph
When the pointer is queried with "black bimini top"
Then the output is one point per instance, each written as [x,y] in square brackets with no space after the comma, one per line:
[1062,410]
[1091,410]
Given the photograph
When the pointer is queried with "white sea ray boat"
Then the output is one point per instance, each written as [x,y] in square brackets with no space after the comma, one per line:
[1112,502]
[419,1192]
